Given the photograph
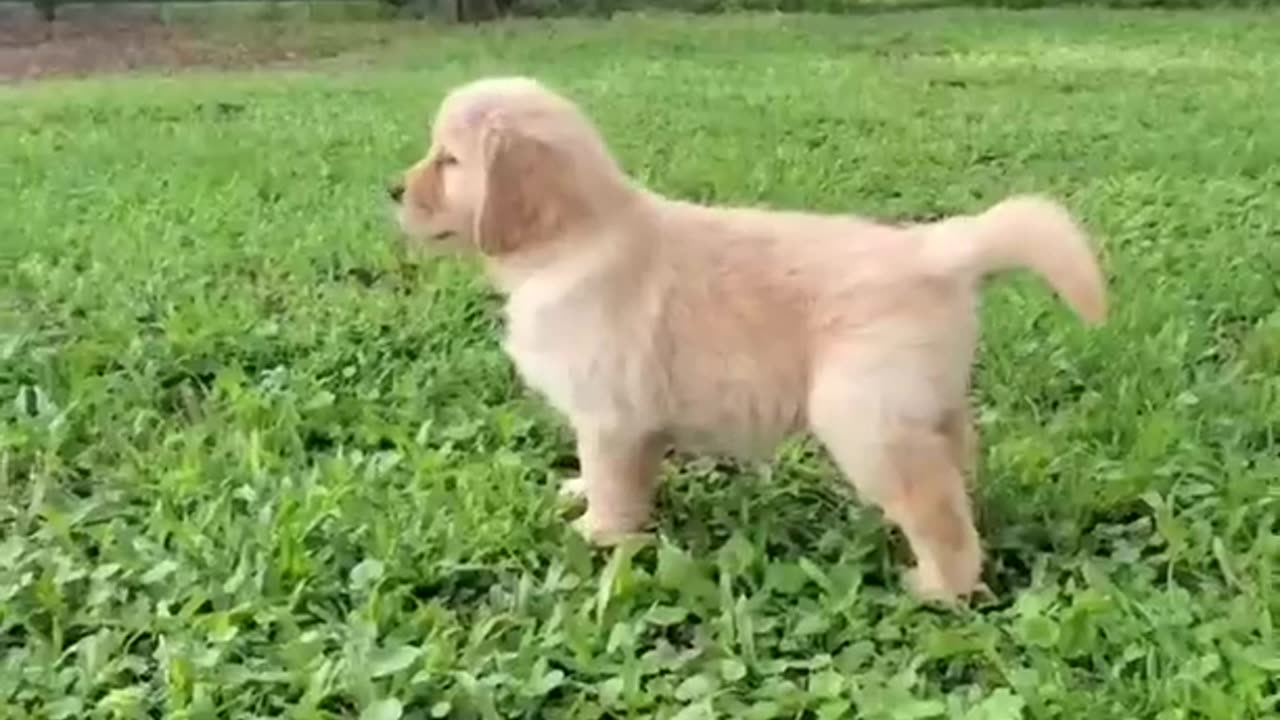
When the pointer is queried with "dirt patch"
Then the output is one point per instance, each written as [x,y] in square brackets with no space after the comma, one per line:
[34,49]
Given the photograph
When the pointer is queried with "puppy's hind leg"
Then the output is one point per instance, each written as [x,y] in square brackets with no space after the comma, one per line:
[906,464]
[619,478]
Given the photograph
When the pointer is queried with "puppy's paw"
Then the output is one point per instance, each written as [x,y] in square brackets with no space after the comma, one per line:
[602,534]
[573,489]
[932,587]
[928,587]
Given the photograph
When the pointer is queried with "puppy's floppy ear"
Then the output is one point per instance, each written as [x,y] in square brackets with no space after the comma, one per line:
[527,197]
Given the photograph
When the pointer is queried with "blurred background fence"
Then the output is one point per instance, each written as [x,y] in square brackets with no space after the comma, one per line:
[481,10]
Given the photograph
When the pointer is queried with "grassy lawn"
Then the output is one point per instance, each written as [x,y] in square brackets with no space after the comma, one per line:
[257,461]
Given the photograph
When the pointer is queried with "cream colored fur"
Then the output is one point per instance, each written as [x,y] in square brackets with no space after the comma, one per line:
[649,322]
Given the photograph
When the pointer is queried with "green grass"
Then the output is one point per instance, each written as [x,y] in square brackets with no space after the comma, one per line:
[257,462]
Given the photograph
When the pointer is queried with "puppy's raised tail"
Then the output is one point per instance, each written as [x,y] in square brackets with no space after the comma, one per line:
[1023,232]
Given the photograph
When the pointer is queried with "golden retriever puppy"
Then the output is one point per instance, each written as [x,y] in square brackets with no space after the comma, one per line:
[650,322]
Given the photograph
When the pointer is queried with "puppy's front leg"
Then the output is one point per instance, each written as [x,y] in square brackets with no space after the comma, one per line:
[619,477]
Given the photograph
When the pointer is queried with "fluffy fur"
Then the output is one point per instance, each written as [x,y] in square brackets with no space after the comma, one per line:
[649,322]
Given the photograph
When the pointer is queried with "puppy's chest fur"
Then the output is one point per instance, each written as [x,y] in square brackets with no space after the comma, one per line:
[592,363]
[623,359]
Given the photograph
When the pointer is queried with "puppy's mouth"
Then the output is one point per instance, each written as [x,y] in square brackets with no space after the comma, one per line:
[413,228]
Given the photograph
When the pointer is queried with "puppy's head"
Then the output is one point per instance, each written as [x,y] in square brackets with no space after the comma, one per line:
[511,166]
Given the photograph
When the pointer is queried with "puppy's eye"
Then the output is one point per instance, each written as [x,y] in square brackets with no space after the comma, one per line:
[445,159]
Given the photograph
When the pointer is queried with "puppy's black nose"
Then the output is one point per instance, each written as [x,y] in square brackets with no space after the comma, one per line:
[396,191]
